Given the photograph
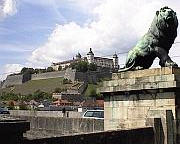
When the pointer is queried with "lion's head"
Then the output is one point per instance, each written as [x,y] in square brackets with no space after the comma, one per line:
[166,18]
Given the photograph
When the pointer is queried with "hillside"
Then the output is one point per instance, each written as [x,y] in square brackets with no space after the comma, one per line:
[46,85]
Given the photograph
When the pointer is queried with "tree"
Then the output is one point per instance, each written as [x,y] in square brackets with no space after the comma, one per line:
[81,66]
[92,67]
[91,91]
[50,69]
[59,68]
[66,81]
[9,96]
[42,70]
[40,95]
[25,70]
[36,71]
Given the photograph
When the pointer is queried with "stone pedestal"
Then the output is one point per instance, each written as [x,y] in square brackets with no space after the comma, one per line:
[133,98]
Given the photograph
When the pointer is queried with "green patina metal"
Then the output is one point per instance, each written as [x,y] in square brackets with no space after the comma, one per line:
[155,43]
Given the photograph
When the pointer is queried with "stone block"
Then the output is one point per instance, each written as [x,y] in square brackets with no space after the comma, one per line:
[108,113]
[164,102]
[120,113]
[137,112]
[146,72]
[136,96]
[138,123]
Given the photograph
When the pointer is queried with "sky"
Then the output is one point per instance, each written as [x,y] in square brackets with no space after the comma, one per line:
[35,33]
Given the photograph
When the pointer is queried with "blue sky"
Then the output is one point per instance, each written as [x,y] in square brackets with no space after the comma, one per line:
[30,27]
[35,33]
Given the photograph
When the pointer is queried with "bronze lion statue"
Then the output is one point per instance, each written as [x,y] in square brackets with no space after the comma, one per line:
[155,43]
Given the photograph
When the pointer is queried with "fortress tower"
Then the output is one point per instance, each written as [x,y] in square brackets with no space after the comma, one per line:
[90,56]
[115,61]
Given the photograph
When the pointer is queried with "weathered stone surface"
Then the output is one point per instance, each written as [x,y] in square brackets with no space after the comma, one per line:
[133,136]
[158,78]
[146,72]
[131,98]
[56,126]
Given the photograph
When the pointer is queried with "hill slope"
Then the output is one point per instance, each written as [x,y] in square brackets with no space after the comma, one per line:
[46,85]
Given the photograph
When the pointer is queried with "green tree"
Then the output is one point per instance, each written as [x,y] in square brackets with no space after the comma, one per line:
[36,71]
[92,67]
[50,69]
[25,70]
[9,96]
[40,95]
[81,66]
[91,91]
[59,68]
[66,81]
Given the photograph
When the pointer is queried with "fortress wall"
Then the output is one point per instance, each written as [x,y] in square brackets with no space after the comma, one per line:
[70,74]
[48,75]
[80,76]
[92,77]
[13,80]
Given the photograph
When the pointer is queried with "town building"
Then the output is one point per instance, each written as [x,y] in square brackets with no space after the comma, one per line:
[111,63]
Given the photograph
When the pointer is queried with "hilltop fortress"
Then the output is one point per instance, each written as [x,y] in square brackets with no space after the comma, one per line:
[105,68]
[90,58]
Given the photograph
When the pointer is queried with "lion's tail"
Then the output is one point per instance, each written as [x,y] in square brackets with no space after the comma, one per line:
[128,68]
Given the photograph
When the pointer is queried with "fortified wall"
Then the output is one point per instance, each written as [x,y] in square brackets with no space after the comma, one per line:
[13,80]
[48,75]
[20,79]
[70,74]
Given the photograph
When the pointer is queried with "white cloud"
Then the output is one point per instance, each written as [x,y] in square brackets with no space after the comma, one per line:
[9,69]
[7,8]
[116,26]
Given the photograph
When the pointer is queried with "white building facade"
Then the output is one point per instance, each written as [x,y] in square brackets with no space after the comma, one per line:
[90,58]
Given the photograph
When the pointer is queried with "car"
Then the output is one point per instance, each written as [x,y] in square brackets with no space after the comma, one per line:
[4,110]
[94,114]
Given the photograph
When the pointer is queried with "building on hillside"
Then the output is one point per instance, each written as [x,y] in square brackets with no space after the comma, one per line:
[111,63]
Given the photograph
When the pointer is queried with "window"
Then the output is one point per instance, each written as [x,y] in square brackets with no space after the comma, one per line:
[89,114]
[98,114]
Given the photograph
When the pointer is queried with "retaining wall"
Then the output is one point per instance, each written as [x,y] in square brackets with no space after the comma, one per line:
[13,80]
[56,126]
[47,75]
[70,74]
